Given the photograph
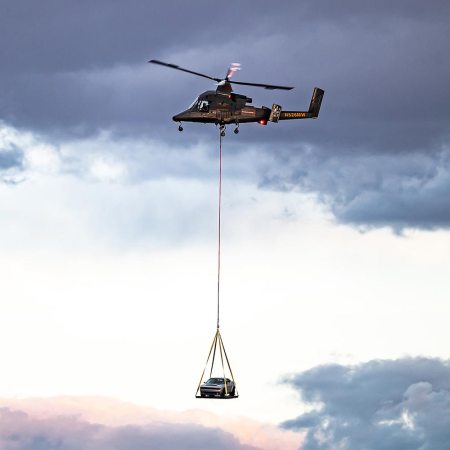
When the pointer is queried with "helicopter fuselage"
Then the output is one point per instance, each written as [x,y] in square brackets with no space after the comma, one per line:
[226,107]
[223,108]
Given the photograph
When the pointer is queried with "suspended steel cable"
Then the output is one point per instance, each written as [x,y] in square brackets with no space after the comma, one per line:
[219,226]
[217,344]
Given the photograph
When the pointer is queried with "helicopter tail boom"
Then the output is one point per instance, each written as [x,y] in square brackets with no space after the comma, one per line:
[313,111]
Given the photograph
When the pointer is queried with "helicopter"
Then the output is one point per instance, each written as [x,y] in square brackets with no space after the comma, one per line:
[223,106]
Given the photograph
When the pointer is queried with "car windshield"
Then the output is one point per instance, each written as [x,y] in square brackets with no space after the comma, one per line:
[215,381]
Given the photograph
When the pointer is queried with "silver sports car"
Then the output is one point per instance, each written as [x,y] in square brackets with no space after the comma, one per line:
[216,387]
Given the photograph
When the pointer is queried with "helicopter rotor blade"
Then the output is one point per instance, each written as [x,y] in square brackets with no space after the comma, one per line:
[265,86]
[233,68]
[174,66]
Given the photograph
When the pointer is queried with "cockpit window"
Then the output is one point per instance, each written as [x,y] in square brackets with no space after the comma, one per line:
[203,105]
[194,103]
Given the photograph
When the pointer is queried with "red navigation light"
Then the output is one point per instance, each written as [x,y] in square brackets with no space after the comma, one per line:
[263,122]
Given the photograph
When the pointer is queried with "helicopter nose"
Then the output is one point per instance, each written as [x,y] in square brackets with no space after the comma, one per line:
[178,117]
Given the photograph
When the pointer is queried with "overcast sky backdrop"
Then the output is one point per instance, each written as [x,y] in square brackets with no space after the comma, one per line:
[336,260]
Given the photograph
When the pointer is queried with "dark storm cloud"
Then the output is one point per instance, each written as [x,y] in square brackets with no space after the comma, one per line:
[72,70]
[62,61]
[399,190]
[20,431]
[382,404]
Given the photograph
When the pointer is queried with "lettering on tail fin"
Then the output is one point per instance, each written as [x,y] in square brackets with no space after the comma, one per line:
[296,115]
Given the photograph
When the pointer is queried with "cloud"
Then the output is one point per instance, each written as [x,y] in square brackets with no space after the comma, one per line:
[385,109]
[381,404]
[91,73]
[126,192]
[129,193]
[94,423]
[398,191]
[11,158]
[23,432]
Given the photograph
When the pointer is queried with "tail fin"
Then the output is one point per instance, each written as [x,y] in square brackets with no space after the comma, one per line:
[314,108]
[316,101]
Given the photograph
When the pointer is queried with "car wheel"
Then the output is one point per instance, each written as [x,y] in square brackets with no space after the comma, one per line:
[222,393]
[233,392]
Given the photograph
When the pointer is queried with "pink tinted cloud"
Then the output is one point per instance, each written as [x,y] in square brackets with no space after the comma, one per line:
[94,423]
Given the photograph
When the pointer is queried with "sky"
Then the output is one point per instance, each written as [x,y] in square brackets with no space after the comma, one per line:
[335,250]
